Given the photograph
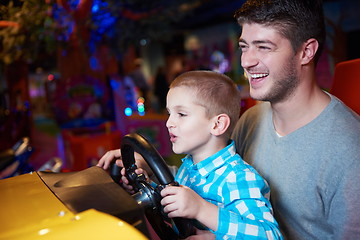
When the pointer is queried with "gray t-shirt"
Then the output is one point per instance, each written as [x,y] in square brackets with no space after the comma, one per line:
[313,172]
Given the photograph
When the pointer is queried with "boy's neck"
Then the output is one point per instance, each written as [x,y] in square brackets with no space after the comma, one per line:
[213,146]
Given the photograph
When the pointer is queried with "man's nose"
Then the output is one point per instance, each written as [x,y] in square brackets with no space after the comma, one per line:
[249,59]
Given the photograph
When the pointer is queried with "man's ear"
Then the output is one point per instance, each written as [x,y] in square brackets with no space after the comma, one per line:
[221,124]
[309,50]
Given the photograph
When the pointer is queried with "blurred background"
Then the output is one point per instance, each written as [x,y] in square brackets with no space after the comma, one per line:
[76,75]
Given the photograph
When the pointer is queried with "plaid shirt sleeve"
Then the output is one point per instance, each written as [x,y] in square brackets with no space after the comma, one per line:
[246,212]
[238,190]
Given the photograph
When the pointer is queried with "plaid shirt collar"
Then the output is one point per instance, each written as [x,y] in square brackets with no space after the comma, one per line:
[213,162]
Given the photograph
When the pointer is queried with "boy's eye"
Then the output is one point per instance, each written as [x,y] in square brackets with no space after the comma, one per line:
[182,114]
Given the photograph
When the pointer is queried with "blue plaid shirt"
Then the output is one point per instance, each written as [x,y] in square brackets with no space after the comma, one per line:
[241,194]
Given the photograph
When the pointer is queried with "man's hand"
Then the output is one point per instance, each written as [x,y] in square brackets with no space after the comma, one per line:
[201,235]
[115,155]
[109,157]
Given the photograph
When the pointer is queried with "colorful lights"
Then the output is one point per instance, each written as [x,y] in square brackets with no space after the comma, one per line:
[141,106]
[128,111]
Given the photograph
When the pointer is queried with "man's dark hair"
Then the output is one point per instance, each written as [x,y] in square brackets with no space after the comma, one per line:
[297,20]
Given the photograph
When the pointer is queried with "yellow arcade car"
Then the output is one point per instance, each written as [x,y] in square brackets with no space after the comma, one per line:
[90,204]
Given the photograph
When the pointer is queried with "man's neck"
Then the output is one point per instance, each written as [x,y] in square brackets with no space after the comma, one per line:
[300,109]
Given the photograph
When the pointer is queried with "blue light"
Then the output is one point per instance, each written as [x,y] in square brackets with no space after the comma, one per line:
[103,19]
[74,4]
[128,111]
[143,42]
[114,84]
[93,63]
[95,8]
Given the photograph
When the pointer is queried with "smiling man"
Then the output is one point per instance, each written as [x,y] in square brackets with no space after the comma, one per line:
[304,141]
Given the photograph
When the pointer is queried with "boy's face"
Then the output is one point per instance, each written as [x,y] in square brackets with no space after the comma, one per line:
[270,63]
[189,127]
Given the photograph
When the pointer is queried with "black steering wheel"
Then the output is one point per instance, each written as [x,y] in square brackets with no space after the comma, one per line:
[146,195]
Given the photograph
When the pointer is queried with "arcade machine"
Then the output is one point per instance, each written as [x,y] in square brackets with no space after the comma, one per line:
[81,109]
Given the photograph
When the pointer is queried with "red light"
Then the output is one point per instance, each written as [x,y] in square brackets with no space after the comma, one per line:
[50,77]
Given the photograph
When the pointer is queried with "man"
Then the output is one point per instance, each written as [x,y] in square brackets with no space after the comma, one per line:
[304,141]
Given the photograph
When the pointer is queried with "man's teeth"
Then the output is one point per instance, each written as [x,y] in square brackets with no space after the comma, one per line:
[259,75]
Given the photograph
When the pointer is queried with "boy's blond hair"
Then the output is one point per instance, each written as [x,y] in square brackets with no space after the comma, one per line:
[216,92]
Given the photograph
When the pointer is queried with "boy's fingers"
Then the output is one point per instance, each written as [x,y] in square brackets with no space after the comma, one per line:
[168,191]
[124,180]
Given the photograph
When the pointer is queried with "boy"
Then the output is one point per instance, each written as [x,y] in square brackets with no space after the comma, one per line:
[217,188]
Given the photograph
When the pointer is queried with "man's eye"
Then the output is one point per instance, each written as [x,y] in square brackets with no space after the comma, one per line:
[182,114]
[264,48]
[242,47]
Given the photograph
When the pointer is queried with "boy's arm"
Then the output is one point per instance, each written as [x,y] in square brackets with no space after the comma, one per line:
[249,216]
[246,212]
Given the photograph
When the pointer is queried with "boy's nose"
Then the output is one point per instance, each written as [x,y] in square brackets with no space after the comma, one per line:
[168,122]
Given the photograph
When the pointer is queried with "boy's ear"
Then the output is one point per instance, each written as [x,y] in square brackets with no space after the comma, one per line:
[310,48]
[221,124]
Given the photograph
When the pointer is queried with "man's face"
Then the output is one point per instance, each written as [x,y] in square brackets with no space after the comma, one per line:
[269,62]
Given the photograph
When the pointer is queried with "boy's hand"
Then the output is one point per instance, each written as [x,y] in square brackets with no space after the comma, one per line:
[181,201]
[125,182]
